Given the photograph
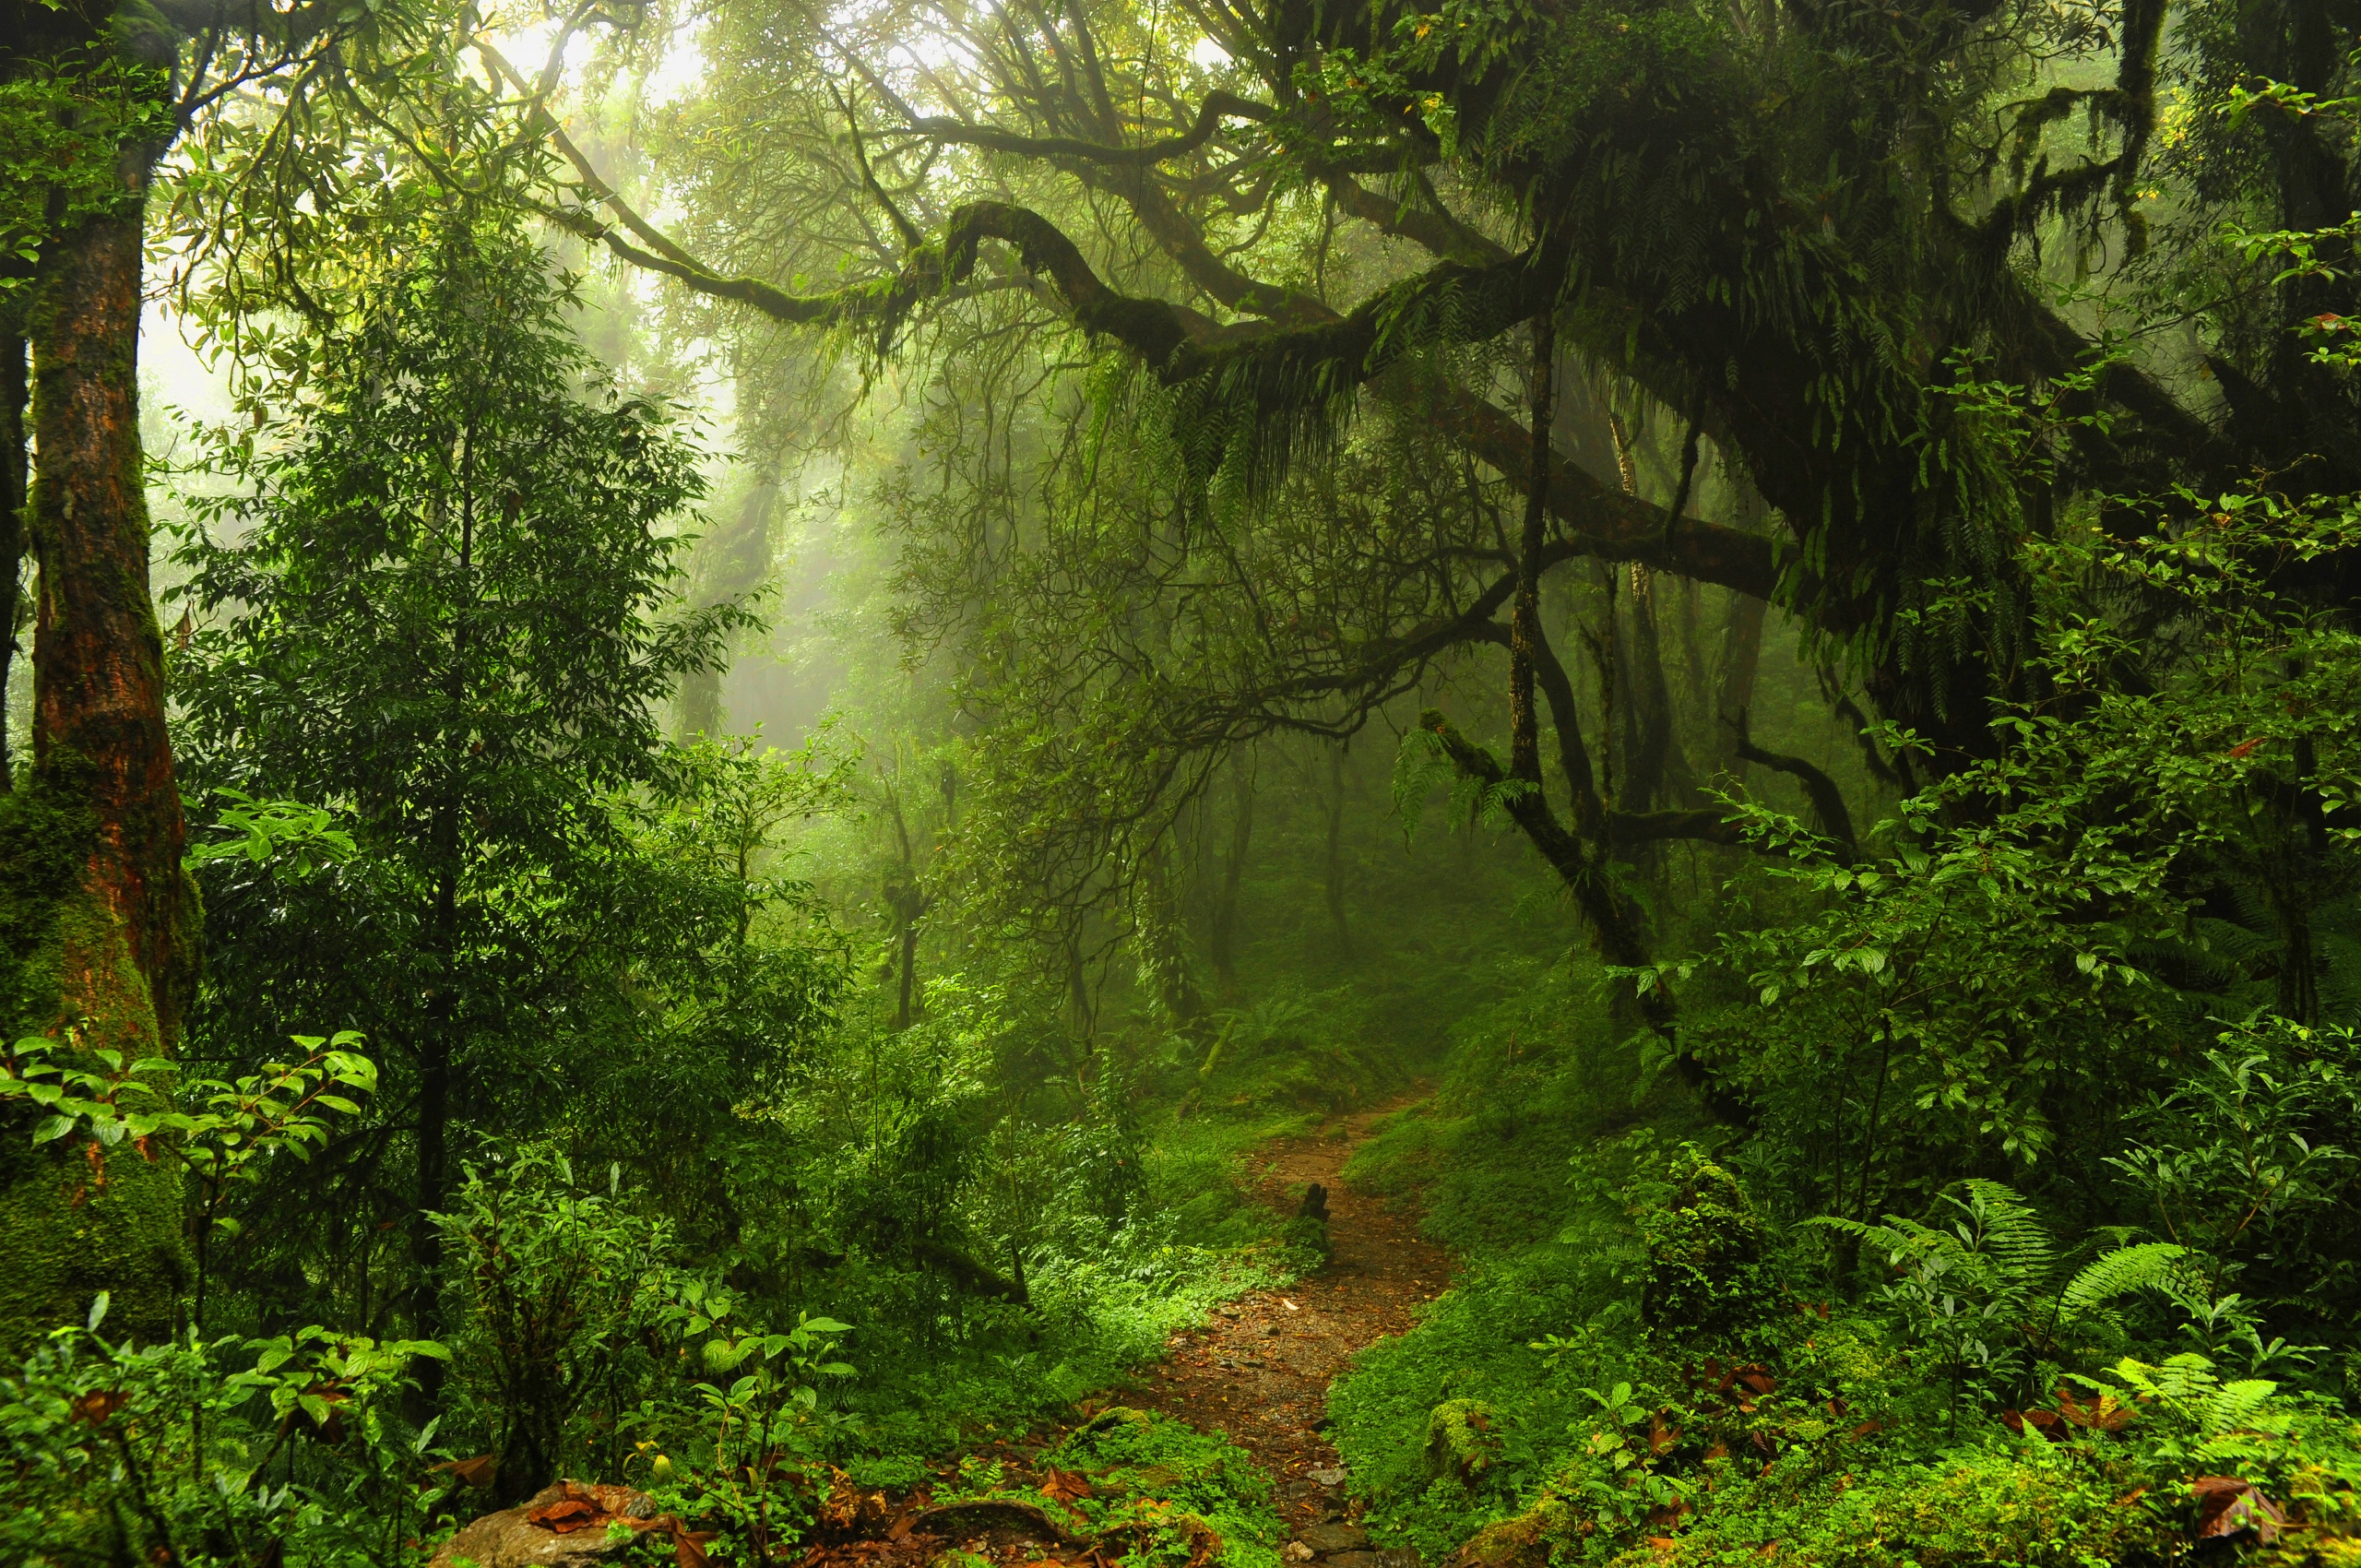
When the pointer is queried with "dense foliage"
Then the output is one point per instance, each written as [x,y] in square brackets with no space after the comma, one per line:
[828,661]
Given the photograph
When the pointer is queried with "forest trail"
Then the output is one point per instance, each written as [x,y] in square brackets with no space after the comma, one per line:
[1259,1370]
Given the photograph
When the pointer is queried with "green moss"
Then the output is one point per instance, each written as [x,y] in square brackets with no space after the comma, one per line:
[1707,1283]
[70,1228]
[1461,1444]
[44,838]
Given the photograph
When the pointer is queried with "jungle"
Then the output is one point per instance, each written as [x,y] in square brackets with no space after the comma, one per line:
[1179,783]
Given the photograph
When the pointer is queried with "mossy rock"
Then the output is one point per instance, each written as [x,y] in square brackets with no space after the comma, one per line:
[1308,1234]
[1114,1418]
[1522,1543]
[1462,1442]
[1708,1284]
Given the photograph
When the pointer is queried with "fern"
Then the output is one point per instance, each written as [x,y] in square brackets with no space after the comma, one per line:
[2234,1404]
[2004,1228]
[2117,1274]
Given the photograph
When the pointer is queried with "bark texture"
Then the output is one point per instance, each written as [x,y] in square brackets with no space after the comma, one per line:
[106,948]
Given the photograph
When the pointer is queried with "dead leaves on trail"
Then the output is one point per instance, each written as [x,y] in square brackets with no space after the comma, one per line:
[1035,1517]
[850,1511]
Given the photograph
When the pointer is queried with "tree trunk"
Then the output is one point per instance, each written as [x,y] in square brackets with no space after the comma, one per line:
[905,1012]
[16,457]
[109,949]
[1222,937]
[1741,655]
[1332,801]
[440,1058]
[1657,772]
[437,1067]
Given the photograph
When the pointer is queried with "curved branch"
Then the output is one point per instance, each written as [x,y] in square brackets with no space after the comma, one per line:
[1219,106]
[1702,825]
[1827,799]
[1347,350]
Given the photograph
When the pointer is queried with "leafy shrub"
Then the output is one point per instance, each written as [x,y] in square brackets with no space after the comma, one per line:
[559,1290]
[227,1453]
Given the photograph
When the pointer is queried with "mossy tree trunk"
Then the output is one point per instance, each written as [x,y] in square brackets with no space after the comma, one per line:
[16,473]
[102,937]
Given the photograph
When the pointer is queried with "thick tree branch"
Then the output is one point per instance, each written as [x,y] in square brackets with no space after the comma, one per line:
[1613,923]
[1219,106]
[1183,345]
[1705,827]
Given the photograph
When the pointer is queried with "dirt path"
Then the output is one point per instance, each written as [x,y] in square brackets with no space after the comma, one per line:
[1261,1372]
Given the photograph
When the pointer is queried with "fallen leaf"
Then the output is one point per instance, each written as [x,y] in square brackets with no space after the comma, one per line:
[2101,1412]
[565,1517]
[476,1471]
[2227,1505]
[1066,1486]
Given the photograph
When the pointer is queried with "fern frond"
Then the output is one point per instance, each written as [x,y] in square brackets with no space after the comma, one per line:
[2008,1232]
[2119,1273]
[2180,1380]
[2233,1405]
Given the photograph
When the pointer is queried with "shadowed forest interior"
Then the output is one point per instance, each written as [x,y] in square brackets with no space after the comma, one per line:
[1179,783]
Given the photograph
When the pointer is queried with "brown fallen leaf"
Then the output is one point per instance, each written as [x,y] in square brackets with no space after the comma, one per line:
[2226,1504]
[476,1471]
[565,1517]
[1064,1486]
[2100,1412]
[604,1496]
